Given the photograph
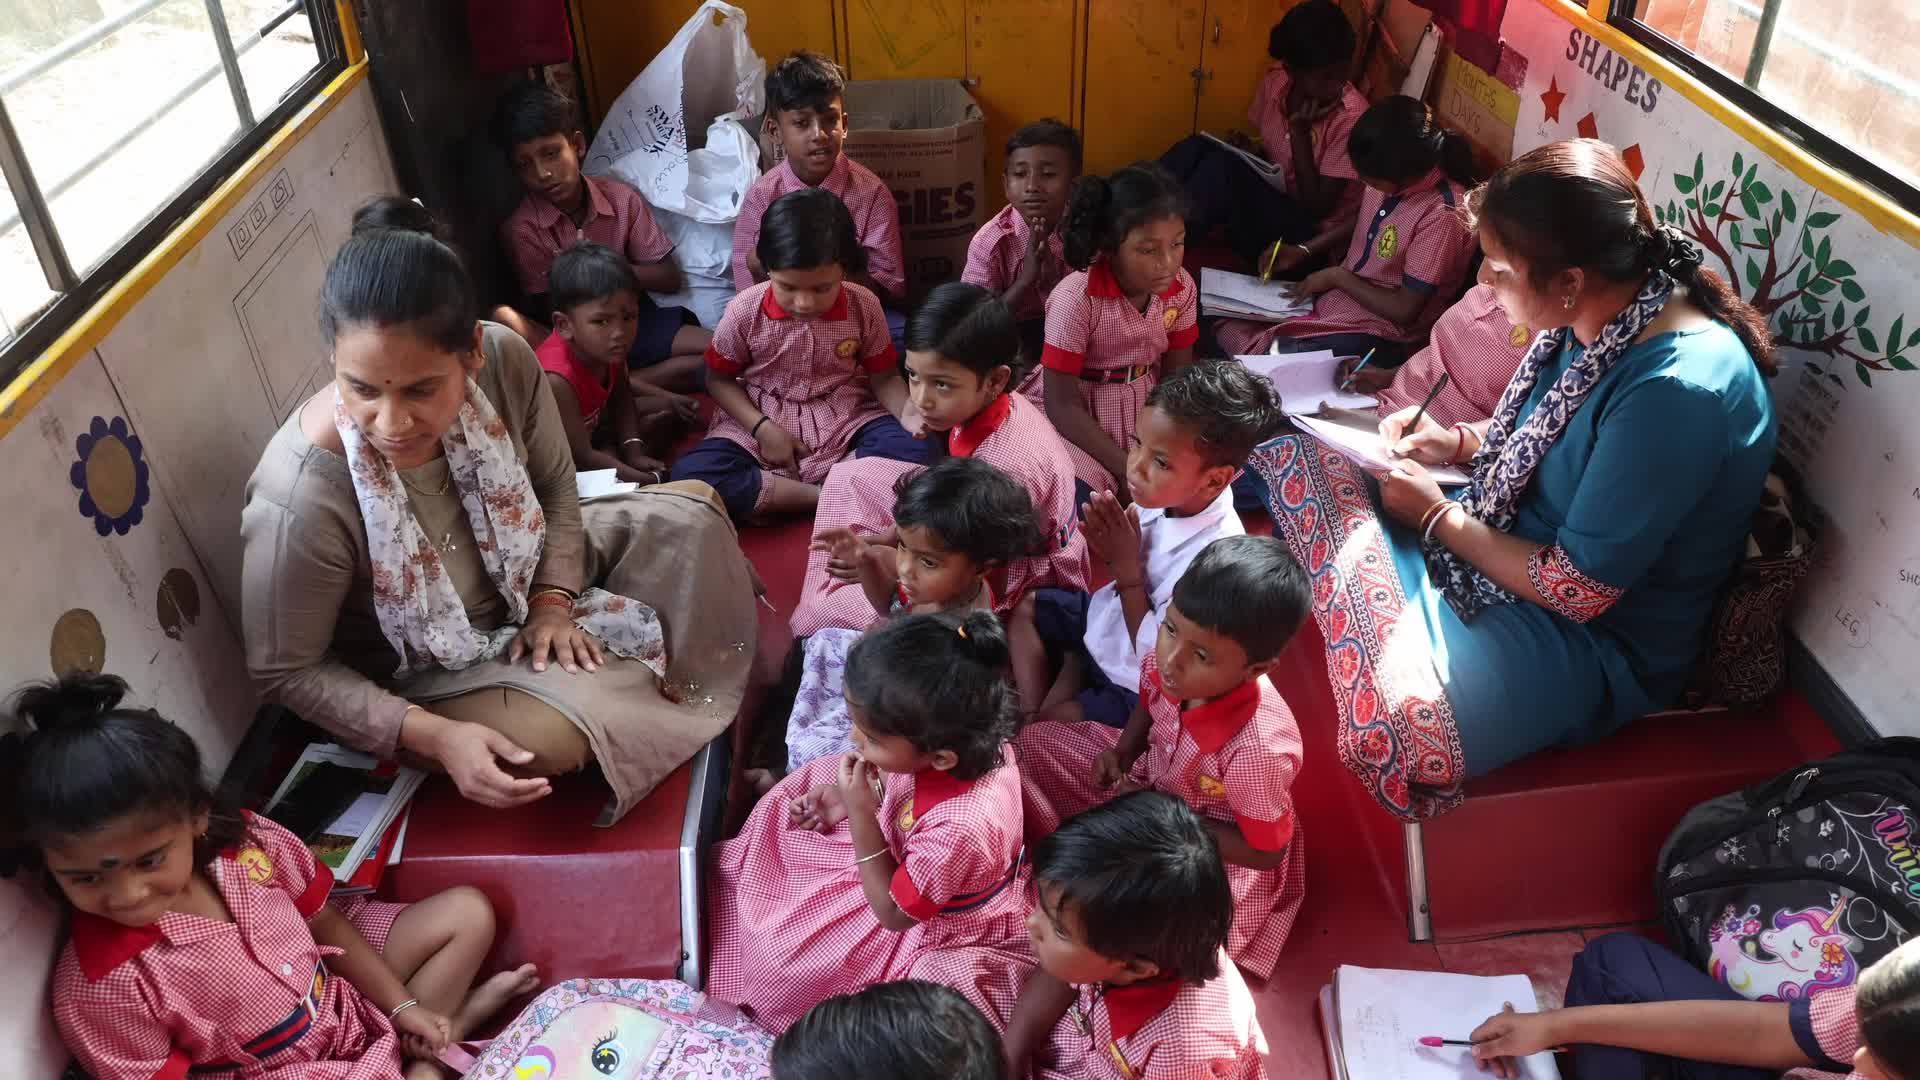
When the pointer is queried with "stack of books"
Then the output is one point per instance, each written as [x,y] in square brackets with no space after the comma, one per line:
[350,809]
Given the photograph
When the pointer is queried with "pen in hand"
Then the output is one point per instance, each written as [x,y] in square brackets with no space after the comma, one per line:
[1348,381]
[1414,424]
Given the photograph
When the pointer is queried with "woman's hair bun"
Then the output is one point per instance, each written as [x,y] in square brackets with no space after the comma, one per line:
[984,639]
[73,698]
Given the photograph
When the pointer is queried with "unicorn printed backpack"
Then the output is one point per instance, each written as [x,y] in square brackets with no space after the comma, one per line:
[1797,884]
[623,1029]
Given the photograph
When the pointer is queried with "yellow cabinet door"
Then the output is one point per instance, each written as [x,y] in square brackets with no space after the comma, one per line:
[1024,59]
[1139,88]
[1234,56]
[925,39]
[617,38]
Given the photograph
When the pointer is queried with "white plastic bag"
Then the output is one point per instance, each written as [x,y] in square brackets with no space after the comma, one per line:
[708,79]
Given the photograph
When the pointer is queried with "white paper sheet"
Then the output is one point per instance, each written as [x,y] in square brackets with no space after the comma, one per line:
[600,483]
[1275,177]
[1369,449]
[1384,1014]
[1307,381]
[1225,292]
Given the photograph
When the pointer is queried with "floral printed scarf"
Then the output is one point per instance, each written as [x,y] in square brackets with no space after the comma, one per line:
[1506,460]
[420,612]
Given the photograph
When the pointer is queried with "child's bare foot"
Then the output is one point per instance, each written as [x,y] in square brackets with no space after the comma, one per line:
[760,780]
[493,994]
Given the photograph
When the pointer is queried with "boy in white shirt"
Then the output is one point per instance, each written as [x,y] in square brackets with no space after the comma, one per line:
[1192,439]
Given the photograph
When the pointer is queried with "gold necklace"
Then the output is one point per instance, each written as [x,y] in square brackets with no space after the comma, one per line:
[445,485]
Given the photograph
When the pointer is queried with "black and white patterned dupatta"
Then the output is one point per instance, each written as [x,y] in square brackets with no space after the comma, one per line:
[1504,464]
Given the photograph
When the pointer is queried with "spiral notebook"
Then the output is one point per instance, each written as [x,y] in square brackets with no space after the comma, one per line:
[1373,1020]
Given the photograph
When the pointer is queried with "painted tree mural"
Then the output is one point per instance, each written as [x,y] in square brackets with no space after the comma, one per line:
[1809,296]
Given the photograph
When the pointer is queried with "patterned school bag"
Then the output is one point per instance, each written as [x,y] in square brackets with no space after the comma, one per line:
[1797,884]
[623,1029]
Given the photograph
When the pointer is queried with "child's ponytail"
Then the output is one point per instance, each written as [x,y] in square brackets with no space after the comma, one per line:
[939,682]
[1086,221]
[1456,157]
[86,761]
[1398,141]
[1103,211]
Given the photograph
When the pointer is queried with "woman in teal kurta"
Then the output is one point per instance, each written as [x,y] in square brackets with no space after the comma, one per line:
[1567,589]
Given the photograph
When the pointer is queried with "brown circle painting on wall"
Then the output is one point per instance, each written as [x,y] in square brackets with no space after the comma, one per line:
[78,645]
[178,604]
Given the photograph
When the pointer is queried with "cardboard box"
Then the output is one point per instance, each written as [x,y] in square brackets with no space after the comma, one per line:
[926,138]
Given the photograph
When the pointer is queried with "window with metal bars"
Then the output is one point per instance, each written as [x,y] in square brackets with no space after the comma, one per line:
[116,118]
[1833,75]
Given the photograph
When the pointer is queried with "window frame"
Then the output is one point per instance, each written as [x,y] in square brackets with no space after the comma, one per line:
[1620,16]
[71,305]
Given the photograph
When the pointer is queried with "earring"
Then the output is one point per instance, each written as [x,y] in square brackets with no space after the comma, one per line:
[1567,302]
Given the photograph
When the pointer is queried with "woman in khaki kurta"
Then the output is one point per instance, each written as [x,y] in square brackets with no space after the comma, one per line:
[402,319]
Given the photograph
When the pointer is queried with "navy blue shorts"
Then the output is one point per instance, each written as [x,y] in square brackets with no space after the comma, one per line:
[1060,617]
[653,338]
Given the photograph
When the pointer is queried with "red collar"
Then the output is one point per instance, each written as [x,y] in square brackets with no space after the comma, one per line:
[1212,723]
[101,945]
[1101,282]
[931,787]
[1130,1007]
[965,440]
[835,181]
[836,312]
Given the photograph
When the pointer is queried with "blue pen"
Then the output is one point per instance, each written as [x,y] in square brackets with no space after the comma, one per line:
[1348,381]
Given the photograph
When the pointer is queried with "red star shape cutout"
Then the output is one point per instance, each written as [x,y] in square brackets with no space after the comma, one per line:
[1589,127]
[1635,163]
[1552,98]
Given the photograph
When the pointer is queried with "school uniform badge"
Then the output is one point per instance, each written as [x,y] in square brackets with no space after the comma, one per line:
[1519,337]
[256,863]
[1169,317]
[1211,787]
[847,348]
[1389,242]
[905,819]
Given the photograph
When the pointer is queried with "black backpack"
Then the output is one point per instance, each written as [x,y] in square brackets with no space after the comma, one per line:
[1796,884]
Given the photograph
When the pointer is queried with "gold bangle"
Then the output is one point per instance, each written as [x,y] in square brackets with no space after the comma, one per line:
[870,858]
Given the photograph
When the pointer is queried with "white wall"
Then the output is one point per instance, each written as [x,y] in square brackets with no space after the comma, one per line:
[1847,402]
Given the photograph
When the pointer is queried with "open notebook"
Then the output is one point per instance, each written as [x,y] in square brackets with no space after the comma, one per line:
[1306,381]
[1243,296]
[1373,1020]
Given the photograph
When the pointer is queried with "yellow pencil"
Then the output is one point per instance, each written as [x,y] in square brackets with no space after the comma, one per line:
[1273,256]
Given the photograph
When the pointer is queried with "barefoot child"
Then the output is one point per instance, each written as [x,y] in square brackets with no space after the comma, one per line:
[563,206]
[1131,909]
[961,349]
[1210,729]
[1406,252]
[898,860]
[1194,434]
[1125,319]
[1017,253]
[906,1030]
[956,523]
[596,306]
[802,370]
[201,937]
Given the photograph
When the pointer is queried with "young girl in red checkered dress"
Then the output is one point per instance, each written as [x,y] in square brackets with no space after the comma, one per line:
[1125,318]
[1406,253]
[962,350]
[201,938]
[901,859]
[802,369]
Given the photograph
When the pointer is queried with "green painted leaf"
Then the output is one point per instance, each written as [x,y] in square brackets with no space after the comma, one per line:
[1824,254]
[1822,285]
[1733,230]
[1699,166]
[1806,242]
[1693,203]
[1913,339]
[1718,187]
[1839,268]
[1786,205]
[1749,204]
[1761,192]
[1860,370]
[1763,237]
[1900,363]
[1805,275]
[1860,317]
[1868,339]
[1851,290]
[1659,214]
[1894,335]
[1811,303]
[1839,315]
[1684,184]
[1753,273]
[1836,380]
[1821,220]
[1739,163]
[1712,210]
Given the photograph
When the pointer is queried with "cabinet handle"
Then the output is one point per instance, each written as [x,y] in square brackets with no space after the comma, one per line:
[1216,29]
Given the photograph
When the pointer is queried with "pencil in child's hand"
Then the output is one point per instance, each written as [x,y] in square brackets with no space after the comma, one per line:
[1348,381]
[1273,256]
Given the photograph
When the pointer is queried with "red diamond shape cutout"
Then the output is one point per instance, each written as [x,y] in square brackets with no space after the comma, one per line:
[1589,127]
[1635,162]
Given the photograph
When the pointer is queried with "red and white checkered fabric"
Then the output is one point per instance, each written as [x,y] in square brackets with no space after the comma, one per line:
[997,252]
[1161,1030]
[1478,347]
[791,924]
[1836,1027]
[617,216]
[255,994]
[1268,115]
[876,218]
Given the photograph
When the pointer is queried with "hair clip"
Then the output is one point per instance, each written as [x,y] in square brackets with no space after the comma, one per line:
[962,631]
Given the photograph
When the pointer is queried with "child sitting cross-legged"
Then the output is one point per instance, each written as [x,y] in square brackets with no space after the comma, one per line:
[596,307]
[541,137]
[1209,728]
[1130,919]
[1192,438]
[962,350]
[898,860]
[802,370]
[954,524]
[906,1030]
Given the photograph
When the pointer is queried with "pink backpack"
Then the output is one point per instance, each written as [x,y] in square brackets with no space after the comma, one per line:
[622,1029]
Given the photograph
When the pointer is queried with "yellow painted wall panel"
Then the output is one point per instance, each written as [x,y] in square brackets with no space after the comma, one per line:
[1139,85]
[1235,59]
[1021,55]
[925,39]
[617,38]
